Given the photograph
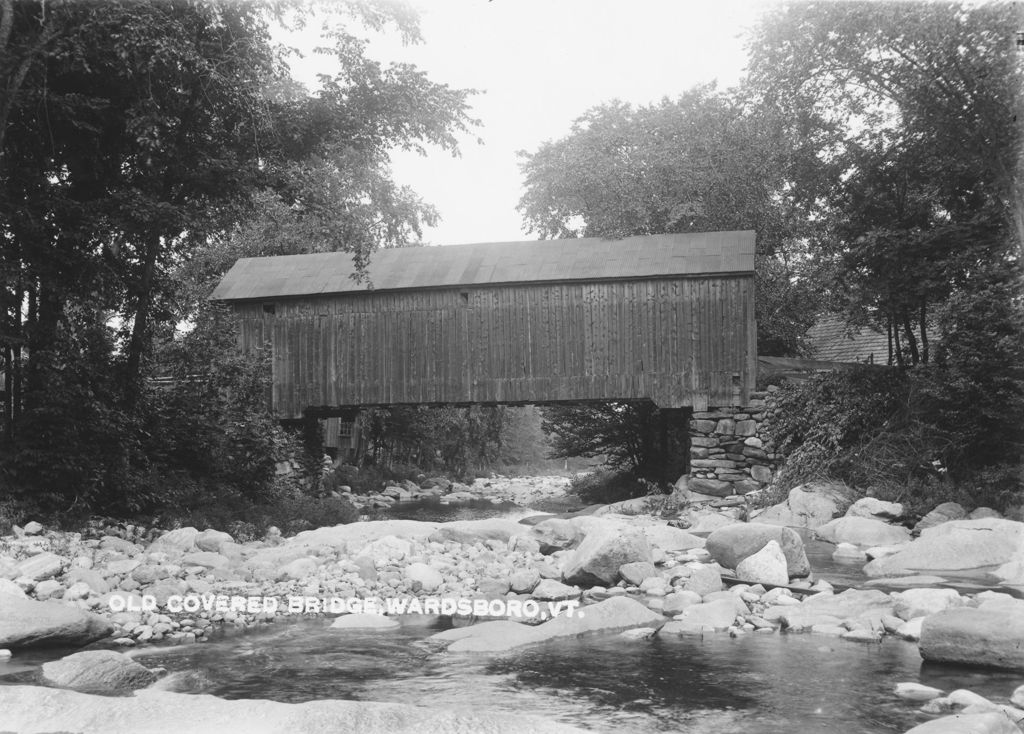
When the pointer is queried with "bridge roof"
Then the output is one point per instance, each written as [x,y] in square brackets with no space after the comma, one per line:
[491,263]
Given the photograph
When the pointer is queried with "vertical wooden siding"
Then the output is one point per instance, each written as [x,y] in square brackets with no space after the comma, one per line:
[678,341]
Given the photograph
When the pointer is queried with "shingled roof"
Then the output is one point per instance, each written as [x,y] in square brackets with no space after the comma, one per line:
[491,263]
[833,339]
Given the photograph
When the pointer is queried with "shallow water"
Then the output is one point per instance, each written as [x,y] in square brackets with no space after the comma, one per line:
[771,684]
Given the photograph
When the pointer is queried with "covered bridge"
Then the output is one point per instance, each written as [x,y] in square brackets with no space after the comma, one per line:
[669,318]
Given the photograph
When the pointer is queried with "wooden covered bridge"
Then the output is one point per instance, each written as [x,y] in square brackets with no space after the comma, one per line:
[666,318]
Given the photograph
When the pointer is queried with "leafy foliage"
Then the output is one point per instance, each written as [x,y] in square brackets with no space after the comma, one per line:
[144,146]
[626,436]
[607,486]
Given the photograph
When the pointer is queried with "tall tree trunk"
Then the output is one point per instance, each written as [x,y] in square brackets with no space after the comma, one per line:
[915,358]
[897,347]
[923,321]
[140,324]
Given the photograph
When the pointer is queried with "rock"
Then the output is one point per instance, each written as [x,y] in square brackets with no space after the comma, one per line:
[862,531]
[472,531]
[551,590]
[944,513]
[981,513]
[640,633]
[875,509]
[611,615]
[863,635]
[922,602]
[42,566]
[364,622]
[957,545]
[603,551]
[9,587]
[993,723]
[122,567]
[849,552]
[719,614]
[707,522]
[808,506]
[911,629]
[671,539]
[710,487]
[767,566]
[34,708]
[850,604]
[677,601]
[523,582]
[28,623]
[635,573]
[1017,697]
[298,569]
[32,528]
[987,637]
[429,579]
[212,540]
[906,582]
[182,540]
[92,578]
[731,544]
[704,579]
[98,671]
[207,559]
[556,534]
[47,589]
[963,698]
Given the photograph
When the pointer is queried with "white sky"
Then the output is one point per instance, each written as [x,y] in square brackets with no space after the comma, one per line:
[540,64]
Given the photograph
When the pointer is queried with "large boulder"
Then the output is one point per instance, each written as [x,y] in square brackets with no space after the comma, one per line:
[863,531]
[472,531]
[989,637]
[182,540]
[611,615]
[946,512]
[767,566]
[38,709]
[923,602]
[28,623]
[98,671]
[671,539]
[42,566]
[876,509]
[603,551]
[808,506]
[556,534]
[850,604]
[958,545]
[212,540]
[733,543]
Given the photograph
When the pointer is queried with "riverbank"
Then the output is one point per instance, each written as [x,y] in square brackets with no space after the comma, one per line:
[635,576]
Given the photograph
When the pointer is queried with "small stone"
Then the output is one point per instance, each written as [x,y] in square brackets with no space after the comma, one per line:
[916,692]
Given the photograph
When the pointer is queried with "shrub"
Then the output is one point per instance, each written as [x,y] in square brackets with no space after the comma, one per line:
[608,486]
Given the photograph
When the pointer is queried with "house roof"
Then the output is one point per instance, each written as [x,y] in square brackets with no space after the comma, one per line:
[833,339]
[491,263]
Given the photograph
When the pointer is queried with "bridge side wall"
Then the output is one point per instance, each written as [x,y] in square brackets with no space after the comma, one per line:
[677,341]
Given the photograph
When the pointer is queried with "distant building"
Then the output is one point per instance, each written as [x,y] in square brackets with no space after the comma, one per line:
[833,339]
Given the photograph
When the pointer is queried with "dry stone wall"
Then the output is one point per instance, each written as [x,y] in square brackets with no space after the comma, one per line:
[728,452]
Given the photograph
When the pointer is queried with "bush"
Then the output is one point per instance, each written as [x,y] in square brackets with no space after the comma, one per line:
[605,486]
[884,431]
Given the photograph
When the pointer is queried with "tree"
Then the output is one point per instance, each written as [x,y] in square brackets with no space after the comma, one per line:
[705,161]
[916,189]
[138,134]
